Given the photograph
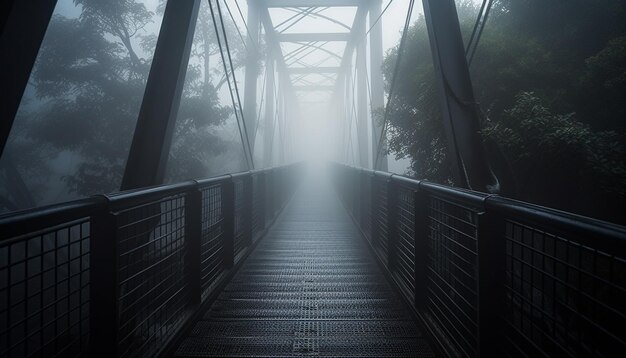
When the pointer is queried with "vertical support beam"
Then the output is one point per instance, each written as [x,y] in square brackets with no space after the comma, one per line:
[153,134]
[252,71]
[282,145]
[421,232]
[392,224]
[268,133]
[348,117]
[362,111]
[376,82]
[103,288]
[360,202]
[374,206]
[458,105]
[193,244]
[228,216]
[269,196]
[261,186]
[338,113]
[248,207]
[22,29]
[491,294]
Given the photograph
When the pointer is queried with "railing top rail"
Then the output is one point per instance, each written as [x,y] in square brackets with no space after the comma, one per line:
[203,183]
[146,195]
[587,229]
[20,223]
[458,195]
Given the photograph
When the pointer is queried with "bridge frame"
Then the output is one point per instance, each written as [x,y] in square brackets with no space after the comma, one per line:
[355,40]
[153,133]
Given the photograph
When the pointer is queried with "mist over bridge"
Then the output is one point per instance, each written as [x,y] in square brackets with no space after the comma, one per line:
[314,249]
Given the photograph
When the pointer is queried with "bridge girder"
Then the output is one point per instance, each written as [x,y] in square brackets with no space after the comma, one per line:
[313,70]
[313,37]
[311,3]
[318,41]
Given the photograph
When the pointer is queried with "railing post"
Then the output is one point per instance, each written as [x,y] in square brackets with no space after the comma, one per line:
[269,196]
[228,213]
[103,287]
[261,186]
[193,245]
[374,236]
[491,267]
[421,232]
[280,192]
[360,198]
[248,207]
[392,224]
[272,188]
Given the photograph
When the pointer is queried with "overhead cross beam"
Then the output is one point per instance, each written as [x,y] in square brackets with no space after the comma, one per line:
[311,3]
[313,70]
[314,88]
[297,78]
[312,37]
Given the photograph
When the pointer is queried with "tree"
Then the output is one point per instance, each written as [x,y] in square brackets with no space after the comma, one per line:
[415,130]
[550,93]
[88,84]
[555,156]
[196,144]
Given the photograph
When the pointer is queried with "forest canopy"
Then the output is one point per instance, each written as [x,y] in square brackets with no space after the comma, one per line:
[550,81]
[74,127]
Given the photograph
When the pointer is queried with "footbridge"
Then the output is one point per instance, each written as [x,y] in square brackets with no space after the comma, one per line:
[290,257]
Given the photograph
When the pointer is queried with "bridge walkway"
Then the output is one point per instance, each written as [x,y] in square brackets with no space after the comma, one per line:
[310,288]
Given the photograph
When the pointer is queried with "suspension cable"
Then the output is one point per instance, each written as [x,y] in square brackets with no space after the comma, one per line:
[245,24]
[480,32]
[258,116]
[318,14]
[230,60]
[298,13]
[379,17]
[396,70]
[243,134]
[476,24]
[353,118]
[237,27]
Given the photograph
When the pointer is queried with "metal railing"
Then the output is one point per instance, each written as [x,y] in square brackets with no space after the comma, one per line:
[118,275]
[490,276]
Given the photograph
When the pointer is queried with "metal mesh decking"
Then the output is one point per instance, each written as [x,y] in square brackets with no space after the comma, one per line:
[310,288]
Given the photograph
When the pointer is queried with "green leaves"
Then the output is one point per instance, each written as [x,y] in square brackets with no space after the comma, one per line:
[551,77]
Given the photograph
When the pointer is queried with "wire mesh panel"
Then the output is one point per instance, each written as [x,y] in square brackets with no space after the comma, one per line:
[547,283]
[211,239]
[240,224]
[118,275]
[44,292]
[562,298]
[451,274]
[269,196]
[366,206]
[258,205]
[381,236]
[405,250]
[152,294]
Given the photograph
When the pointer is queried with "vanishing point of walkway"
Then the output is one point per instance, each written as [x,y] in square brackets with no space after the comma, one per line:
[311,288]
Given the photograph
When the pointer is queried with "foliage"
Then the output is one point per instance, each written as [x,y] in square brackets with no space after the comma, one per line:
[415,130]
[88,84]
[555,155]
[550,78]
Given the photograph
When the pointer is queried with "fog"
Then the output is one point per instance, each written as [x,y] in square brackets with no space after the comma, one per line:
[73,130]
